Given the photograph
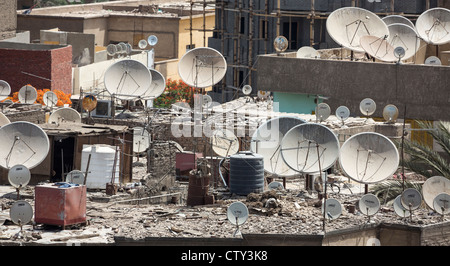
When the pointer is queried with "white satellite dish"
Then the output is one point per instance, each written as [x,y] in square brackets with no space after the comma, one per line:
[111,49]
[343,113]
[399,52]
[369,157]
[432,187]
[433,60]
[119,49]
[247,90]
[75,177]
[399,209]
[333,209]
[19,176]
[441,203]
[348,24]
[275,185]
[392,19]
[4,120]
[266,141]
[142,44]
[50,99]
[141,139]
[411,199]
[367,106]
[129,48]
[207,101]
[307,52]
[21,212]
[378,47]
[23,143]
[157,86]
[323,111]
[263,94]
[224,142]
[237,213]
[369,204]
[433,26]
[401,35]
[27,94]
[123,48]
[65,114]
[309,148]
[127,79]
[152,40]
[280,44]
[5,90]
[202,67]
[390,113]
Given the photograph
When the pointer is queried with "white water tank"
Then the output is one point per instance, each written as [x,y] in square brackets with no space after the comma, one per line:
[100,166]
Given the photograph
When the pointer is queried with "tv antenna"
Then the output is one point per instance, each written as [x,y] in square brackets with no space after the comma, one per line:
[237,214]
[433,26]
[399,209]
[307,52]
[89,103]
[434,186]
[152,40]
[441,204]
[393,19]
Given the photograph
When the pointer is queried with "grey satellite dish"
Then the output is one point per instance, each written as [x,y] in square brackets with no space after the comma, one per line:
[27,94]
[266,141]
[247,90]
[323,111]
[367,106]
[22,143]
[309,148]
[123,48]
[390,113]
[433,26]
[4,120]
[119,49]
[65,114]
[50,99]
[129,48]
[378,48]
[75,177]
[111,49]
[202,67]
[207,101]
[348,24]
[392,19]
[224,142]
[399,209]
[433,186]
[280,44]
[141,139]
[275,185]
[441,203]
[369,204]
[127,79]
[5,90]
[307,52]
[152,40]
[142,44]
[411,199]
[369,157]
[19,176]
[333,209]
[404,36]
[157,86]
[343,113]
[399,52]
[433,60]
[21,212]
[237,213]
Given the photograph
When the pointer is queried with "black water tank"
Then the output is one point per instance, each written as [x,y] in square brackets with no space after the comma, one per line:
[246,173]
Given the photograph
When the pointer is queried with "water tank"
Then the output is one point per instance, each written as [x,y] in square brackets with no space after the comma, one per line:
[246,173]
[100,165]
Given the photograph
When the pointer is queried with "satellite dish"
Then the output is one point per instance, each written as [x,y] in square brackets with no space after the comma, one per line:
[111,49]
[369,157]
[21,212]
[127,79]
[399,209]
[152,40]
[392,19]
[141,139]
[157,86]
[5,90]
[441,203]
[202,67]
[19,176]
[343,113]
[369,204]
[207,101]
[274,185]
[378,47]
[399,52]
[433,26]
[323,111]
[247,90]
[237,213]
[263,94]
[119,49]
[390,113]
[434,186]
[266,141]
[347,25]
[280,44]
[433,60]
[123,48]
[411,199]
[75,177]
[367,106]
[224,142]
[50,99]
[333,209]
[404,36]
[4,120]
[65,114]
[89,102]
[129,48]
[27,94]
[307,52]
[142,44]
[310,148]
[22,143]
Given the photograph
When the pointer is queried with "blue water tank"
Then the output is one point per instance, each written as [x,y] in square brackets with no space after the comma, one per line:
[246,173]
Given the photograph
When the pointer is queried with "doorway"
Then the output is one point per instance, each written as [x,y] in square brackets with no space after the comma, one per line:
[63,155]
